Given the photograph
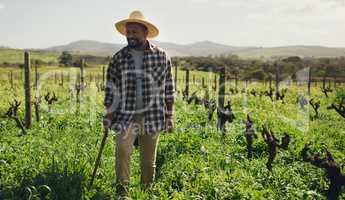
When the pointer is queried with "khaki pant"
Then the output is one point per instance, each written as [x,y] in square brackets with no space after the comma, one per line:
[148,150]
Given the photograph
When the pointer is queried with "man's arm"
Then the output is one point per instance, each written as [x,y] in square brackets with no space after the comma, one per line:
[169,89]
[169,97]
[111,98]
[108,96]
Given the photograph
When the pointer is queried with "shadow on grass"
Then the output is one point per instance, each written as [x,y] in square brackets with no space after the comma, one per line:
[57,184]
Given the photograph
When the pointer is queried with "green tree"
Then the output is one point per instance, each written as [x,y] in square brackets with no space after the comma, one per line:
[65,58]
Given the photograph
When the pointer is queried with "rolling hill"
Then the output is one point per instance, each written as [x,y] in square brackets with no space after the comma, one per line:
[205,48]
[194,49]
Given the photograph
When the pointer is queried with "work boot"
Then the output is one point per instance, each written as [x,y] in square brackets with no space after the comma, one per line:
[121,191]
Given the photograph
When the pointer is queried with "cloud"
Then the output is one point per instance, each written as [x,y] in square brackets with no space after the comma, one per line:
[338,2]
[2,6]
[199,1]
[298,7]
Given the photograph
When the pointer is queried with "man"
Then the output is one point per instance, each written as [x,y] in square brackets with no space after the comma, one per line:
[139,97]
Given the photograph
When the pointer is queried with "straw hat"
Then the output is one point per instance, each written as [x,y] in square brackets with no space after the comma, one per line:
[138,17]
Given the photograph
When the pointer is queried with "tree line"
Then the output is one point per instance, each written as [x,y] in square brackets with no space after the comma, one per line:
[236,67]
[264,70]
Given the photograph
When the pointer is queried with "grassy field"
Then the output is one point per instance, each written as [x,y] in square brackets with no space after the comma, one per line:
[17,55]
[55,159]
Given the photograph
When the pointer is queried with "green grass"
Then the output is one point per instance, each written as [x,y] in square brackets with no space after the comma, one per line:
[17,55]
[55,159]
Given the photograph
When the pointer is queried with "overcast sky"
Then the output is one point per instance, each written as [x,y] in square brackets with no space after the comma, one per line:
[44,23]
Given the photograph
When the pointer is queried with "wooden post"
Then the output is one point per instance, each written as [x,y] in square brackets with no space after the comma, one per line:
[103,76]
[193,78]
[175,78]
[236,80]
[11,78]
[82,63]
[270,82]
[309,80]
[37,111]
[187,83]
[277,76]
[203,82]
[215,81]
[324,82]
[28,119]
[37,107]
[62,79]
[221,93]
[78,78]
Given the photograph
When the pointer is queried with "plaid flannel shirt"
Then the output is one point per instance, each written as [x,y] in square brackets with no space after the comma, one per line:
[158,88]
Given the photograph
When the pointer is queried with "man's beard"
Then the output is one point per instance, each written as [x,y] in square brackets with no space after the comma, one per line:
[133,42]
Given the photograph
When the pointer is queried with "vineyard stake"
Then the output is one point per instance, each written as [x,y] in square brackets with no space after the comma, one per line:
[215,81]
[175,77]
[277,68]
[309,80]
[103,76]
[37,103]
[82,74]
[221,93]
[98,159]
[11,79]
[187,83]
[28,119]
[236,79]
[270,82]
[61,79]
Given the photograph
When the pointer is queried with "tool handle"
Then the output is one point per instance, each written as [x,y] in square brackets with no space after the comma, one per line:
[98,160]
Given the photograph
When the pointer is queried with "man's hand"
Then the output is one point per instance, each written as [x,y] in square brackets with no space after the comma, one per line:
[169,124]
[107,119]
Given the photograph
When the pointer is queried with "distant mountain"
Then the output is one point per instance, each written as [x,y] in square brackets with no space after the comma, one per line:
[301,51]
[204,48]
[87,46]
[195,49]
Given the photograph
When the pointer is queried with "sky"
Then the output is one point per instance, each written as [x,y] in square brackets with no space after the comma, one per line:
[266,23]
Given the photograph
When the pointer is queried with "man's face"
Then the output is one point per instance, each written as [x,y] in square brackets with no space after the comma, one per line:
[136,34]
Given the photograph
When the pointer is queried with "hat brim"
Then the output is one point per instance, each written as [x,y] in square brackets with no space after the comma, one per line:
[152,29]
